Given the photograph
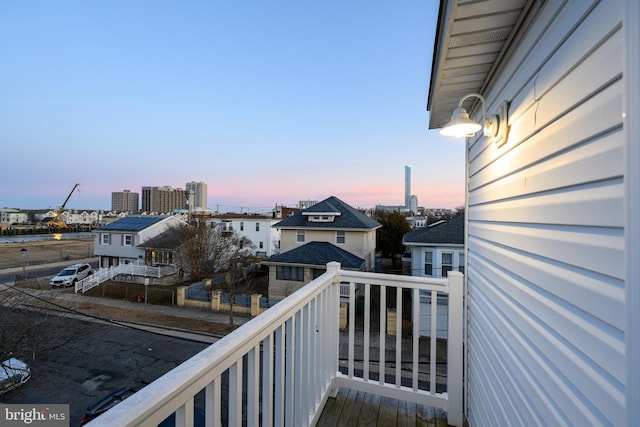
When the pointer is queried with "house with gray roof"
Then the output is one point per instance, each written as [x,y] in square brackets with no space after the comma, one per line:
[337,231]
[436,249]
[120,242]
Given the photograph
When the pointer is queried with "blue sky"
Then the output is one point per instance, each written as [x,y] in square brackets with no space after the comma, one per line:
[266,102]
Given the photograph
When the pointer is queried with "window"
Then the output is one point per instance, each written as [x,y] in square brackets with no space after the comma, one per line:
[428,263]
[241,226]
[341,237]
[461,262]
[128,240]
[284,272]
[300,236]
[261,245]
[105,239]
[257,226]
[447,263]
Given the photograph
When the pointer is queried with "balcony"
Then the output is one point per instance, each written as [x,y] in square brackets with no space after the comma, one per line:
[283,366]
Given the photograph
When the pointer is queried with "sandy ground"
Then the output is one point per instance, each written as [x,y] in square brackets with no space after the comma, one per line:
[44,251]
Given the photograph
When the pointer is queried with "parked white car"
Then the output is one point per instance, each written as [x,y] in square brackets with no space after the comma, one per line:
[13,373]
[70,275]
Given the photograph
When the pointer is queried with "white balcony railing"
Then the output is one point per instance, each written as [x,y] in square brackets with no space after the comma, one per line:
[280,368]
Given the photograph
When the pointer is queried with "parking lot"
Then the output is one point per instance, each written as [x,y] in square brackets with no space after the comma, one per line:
[96,363]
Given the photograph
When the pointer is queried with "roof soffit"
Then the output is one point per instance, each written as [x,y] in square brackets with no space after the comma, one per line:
[471,40]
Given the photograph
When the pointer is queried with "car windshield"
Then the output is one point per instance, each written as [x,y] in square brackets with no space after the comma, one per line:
[67,272]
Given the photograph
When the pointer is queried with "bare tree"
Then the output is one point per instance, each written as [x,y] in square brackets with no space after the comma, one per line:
[206,250]
[34,323]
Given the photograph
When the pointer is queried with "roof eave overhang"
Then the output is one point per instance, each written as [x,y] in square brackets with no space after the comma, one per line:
[472,40]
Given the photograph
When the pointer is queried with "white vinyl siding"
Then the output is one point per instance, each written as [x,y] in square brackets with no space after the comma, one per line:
[545,232]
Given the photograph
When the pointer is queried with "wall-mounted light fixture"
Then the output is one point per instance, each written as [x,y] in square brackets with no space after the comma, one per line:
[494,126]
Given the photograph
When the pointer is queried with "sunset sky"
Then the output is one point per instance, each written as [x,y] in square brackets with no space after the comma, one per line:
[266,101]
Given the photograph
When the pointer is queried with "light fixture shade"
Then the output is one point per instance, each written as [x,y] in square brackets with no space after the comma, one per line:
[460,124]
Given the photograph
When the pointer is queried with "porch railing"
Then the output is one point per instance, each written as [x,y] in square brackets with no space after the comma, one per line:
[103,274]
[282,366]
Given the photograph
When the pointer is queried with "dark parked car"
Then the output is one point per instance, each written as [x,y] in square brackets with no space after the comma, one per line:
[106,403]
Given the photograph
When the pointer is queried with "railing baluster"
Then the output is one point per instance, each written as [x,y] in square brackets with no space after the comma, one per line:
[253,381]
[383,333]
[433,340]
[297,367]
[289,371]
[398,337]
[416,338]
[367,326]
[279,371]
[235,394]
[352,327]
[212,403]
[312,351]
[267,381]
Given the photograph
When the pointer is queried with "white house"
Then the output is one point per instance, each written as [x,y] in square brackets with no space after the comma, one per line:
[13,216]
[119,242]
[435,251]
[257,228]
[553,205]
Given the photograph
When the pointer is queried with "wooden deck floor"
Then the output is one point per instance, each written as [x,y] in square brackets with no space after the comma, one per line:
[353,408]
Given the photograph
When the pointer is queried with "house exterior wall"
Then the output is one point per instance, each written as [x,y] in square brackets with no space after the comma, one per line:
[263,233]
[546,215]
[358,242]
[418,259]
[284,288]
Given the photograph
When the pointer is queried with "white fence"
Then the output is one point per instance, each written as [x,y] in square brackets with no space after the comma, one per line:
[103,274]
[288,359]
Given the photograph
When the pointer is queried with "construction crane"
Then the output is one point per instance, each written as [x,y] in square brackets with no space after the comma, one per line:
[56,222]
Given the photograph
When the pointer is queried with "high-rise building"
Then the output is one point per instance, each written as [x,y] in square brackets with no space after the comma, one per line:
[164,199]
[199,194]
[124,201]
[407,186]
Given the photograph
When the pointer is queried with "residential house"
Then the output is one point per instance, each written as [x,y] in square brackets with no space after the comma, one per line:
[257,228]
[9,217]
[333,221]
[436,249]
[348,235]
[119,242]
[553,207]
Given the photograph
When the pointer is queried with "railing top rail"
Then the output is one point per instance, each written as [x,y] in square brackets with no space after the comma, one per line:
[428,283]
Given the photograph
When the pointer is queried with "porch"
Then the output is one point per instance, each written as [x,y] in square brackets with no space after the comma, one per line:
[293,366]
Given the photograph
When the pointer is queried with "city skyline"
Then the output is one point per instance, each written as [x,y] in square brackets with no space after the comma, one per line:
[268,104]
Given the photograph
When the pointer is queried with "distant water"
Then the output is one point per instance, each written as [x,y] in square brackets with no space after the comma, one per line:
[38,237]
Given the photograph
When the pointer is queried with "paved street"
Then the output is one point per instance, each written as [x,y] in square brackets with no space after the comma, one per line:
[105,358]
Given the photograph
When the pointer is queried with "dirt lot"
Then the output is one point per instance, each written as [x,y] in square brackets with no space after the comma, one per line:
[44,251]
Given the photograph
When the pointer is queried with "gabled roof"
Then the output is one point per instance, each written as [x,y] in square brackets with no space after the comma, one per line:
[317,253]
[450,232]
[132,223]
[345,217]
